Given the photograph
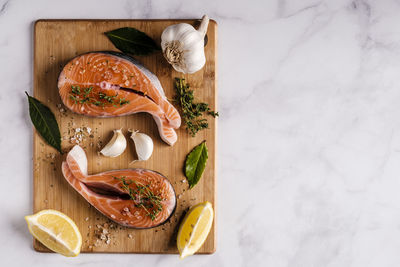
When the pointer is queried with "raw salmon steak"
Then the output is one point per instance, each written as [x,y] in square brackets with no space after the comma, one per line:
[136,198]
[109,84]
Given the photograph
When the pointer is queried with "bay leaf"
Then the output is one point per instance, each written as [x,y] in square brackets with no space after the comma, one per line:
[132,41]
[45,122]
[196,163]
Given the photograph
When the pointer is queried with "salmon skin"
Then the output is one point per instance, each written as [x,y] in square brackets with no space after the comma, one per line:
[109,84]
[136,198]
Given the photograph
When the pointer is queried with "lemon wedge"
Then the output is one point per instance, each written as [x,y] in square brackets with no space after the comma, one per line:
[56,231]
[194,229]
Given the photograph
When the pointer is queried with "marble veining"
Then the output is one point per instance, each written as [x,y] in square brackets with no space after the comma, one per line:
[309,132]
[3,7]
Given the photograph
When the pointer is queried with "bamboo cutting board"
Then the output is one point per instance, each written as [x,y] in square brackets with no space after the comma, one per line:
[55,43]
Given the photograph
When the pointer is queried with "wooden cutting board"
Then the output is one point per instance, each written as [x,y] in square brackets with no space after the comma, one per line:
[55,43]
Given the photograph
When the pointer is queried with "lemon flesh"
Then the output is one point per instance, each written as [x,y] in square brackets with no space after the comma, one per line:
[194,229]
[56,231]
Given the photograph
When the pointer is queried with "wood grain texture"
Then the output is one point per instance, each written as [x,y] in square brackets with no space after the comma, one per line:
[55,43]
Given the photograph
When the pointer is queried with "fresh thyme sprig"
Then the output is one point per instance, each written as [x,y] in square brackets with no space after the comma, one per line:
[108,98]
[144,198]
[84,95]
[191,111]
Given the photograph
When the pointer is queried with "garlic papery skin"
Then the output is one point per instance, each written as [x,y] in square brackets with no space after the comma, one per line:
[183,46]
[116,146]
[143,145]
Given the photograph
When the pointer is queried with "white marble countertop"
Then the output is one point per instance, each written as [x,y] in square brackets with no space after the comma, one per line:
[309,133]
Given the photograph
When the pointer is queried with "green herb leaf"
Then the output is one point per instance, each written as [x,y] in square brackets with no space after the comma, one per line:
[196,163]
[45,122]
[132,41]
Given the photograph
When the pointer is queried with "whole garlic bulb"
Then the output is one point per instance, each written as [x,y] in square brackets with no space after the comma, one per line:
[183,46]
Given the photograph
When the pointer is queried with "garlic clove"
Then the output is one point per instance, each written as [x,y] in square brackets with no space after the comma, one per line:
[116,146]
[143,145]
